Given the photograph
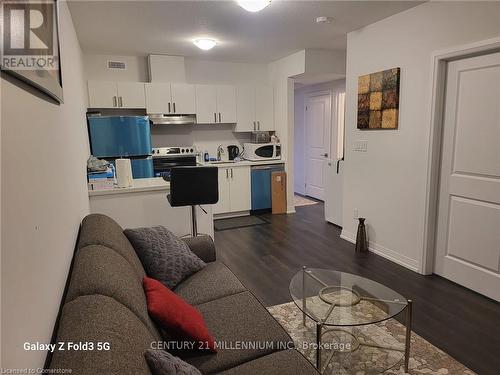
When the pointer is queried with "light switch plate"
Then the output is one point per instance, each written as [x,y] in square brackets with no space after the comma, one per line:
[361,146]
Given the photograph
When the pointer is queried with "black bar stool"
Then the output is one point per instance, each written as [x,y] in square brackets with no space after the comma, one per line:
[193,186]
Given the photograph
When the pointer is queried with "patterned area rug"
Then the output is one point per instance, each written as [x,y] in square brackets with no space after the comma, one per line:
[368,358]
[299,200]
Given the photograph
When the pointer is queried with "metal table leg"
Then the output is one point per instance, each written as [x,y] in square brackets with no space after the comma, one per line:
[408,333]
[319,327]
[304,295]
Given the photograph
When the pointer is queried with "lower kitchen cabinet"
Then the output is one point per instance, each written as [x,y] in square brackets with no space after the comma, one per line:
[234,190]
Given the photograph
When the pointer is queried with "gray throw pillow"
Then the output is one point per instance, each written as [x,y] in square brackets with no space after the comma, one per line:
[165,257]
[161,362]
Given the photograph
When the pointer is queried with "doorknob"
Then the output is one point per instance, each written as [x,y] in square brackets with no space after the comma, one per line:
[325,155]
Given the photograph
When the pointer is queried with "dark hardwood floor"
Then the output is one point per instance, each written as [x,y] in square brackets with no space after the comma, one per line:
[464,324]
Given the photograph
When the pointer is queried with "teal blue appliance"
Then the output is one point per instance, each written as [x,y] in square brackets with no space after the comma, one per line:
[113,137]
[261,185]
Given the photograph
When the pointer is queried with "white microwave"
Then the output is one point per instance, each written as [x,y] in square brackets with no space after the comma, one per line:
[261,151]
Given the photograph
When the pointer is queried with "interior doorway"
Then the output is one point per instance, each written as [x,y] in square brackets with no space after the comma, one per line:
[318,144]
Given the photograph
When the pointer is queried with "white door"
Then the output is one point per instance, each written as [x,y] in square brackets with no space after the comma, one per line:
[158,98]
[265,108]
[102,94]
[131,95]
[206,104]
[245,109]
[468,231]
[318,123]
[240,189]
[183,98]
[226,104]
[224,203]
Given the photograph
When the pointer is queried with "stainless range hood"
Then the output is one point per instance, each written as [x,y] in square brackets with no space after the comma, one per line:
[164,119]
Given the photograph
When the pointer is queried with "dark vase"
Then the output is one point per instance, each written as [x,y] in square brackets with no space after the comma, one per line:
[361,242]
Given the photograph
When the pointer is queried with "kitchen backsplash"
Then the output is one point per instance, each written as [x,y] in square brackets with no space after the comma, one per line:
[205,137]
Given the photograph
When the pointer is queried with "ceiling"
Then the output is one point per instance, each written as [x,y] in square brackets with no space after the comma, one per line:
[168,27]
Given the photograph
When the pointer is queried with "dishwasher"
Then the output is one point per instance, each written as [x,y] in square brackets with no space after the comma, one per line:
[261,185]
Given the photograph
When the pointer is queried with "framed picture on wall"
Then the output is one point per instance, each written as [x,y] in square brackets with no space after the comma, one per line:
[378,100]
[30,45]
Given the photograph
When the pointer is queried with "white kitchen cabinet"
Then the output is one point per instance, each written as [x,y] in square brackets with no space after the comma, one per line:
[107,94]
[224,203]
[206,104]
[226,104]
[255,108]
[170,98]
[102,94]
[131,95]
[264,108]
[215,104]
[183,98]
[234,190]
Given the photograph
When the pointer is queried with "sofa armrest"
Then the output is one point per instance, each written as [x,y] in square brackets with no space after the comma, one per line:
[203,247]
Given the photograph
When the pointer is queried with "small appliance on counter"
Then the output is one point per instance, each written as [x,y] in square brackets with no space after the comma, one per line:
[123,173]
[165,158]
[261,137]
[233,152]
[114,137]
[261,151]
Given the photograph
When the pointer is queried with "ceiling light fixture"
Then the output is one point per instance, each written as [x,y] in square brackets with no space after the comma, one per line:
[205,43]
[253,5]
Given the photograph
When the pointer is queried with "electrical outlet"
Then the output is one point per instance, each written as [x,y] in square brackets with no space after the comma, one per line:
[355,213]
[361,146]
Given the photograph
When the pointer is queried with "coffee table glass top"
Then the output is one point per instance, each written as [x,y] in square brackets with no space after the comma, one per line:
[342,299]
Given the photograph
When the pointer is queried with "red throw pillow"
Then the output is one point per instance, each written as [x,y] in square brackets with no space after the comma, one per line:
[176,315]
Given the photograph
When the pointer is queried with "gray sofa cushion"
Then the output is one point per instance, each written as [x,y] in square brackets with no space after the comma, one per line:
[97,319]
[100,229]
[202,246]
[285,362]
[162,362]
[164,256]
[101,270]
[234,319]
[212,282]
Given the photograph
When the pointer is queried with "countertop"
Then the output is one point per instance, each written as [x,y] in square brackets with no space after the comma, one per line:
[159,184]
[242,163]
[139,185]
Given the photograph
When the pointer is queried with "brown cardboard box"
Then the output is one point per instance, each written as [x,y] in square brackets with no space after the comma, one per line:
[278,189]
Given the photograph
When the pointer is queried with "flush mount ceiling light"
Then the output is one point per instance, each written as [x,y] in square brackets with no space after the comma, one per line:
[253,5]
[205,43]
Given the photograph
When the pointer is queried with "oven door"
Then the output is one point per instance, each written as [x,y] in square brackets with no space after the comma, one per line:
[163,164]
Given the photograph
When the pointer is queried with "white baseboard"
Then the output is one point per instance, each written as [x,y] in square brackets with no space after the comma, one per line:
[389,254]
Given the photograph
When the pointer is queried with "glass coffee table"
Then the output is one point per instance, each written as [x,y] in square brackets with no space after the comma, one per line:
[343,308]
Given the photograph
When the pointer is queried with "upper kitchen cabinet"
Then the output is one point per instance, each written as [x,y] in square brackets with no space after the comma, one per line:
[255,108]
[105,94]
[170,98]
[215,104]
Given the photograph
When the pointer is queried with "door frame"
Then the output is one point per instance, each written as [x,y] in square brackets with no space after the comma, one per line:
[439,62]
[308,96]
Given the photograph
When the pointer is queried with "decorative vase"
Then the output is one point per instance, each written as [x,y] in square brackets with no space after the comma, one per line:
[361,242]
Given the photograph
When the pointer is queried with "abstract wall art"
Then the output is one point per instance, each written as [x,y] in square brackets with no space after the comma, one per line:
[378,100]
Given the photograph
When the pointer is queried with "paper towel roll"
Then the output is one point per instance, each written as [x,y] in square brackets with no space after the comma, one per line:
[123,173]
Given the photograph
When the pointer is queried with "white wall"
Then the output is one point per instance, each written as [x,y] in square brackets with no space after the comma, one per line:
[44,198]
[300,95]
[96,68]
[387,184]
[280,72]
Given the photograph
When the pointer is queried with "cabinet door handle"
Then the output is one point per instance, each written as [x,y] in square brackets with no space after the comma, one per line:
[231,173]
[120,101]
[114,101]
[215,117]
[254,126]
[220,118]
[168,107]
[258,125]
[227,173]
[174,108]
